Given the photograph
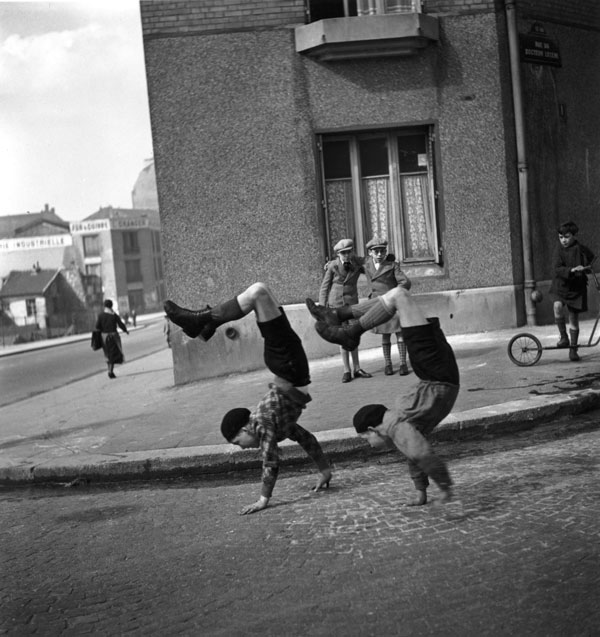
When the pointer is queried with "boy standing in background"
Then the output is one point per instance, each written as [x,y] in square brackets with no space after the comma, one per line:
[569,286]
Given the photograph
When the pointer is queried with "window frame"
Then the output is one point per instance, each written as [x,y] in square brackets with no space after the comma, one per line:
[359,223]
[31,307]
[354,8]
[95,239]
[129,264]
[131,242]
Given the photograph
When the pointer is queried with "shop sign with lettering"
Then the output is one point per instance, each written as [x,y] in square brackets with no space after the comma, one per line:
[34,243]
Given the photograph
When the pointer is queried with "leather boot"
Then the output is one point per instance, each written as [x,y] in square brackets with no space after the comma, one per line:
[573,355]
[193,322]
[203,323]
[321,313]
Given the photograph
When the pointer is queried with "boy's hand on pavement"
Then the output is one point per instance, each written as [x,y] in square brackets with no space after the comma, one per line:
[323,480]
[260,504]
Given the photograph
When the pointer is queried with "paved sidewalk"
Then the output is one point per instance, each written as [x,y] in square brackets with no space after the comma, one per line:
[141,426]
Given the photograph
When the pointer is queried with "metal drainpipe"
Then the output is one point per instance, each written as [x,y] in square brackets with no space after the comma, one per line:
[515,70]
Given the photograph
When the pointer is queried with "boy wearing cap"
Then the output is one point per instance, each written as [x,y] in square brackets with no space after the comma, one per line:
[383,275]
[416,415]
[275,417]
[340,287]
[571,262]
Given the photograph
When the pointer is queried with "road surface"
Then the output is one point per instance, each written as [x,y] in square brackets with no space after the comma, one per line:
[517,554]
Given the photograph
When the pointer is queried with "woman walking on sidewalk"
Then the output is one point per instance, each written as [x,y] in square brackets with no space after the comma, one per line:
[107,324]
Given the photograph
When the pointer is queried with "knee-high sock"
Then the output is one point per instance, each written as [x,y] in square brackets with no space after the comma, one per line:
[376,315]
[562,327]
[574,338]
[387,352]
[402,351]
[226,311]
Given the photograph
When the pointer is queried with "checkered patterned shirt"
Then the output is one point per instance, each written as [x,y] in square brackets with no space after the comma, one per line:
[274,420]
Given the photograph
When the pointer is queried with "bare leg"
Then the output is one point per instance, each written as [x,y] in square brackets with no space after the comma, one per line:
[258,297]
[559,319]
[347,377]
[400,300]
[345,360]
[355,361]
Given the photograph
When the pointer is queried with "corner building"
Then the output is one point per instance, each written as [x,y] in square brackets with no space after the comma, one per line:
[281,126]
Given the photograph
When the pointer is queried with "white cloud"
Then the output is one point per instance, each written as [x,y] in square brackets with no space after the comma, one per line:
[74,125]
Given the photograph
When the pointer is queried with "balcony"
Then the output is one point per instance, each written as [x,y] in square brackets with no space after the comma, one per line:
[374,32]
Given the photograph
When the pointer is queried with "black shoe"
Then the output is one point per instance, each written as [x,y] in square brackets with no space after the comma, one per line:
[389,370]
[321,313]
[111,375]
[347,377]
[337,335]
[360,373]
[403,371]
[192,323]
[563,343]
[573,355]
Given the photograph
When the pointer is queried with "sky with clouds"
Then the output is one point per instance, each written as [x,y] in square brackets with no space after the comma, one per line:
[74,120]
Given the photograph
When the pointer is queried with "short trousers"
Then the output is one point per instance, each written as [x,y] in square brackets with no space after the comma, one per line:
[284,353]
[427,405]
[576,305]
[431,356]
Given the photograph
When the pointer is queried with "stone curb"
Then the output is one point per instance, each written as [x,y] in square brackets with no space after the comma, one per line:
[211,460]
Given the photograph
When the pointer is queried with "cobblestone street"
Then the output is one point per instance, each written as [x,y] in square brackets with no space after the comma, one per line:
[516,555]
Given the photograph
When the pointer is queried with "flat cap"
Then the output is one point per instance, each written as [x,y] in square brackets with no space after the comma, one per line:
[344,244]
[377,242]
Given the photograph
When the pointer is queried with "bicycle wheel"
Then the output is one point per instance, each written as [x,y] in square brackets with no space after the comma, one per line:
[524,350]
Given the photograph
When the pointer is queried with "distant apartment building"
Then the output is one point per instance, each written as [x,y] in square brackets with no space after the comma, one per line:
[35,239]
[122,248]
[54,274]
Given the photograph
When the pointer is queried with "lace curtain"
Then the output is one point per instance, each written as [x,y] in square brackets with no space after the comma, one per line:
[377,204]
[340,207]
[418,220]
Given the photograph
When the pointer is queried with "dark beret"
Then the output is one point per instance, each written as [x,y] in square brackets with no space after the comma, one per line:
[368,416]
[233,421]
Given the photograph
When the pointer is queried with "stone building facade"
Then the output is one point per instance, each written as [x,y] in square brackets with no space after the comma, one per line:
[281,126]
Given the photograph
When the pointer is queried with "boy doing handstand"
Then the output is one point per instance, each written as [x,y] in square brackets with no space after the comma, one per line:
[275,417]
[416,415]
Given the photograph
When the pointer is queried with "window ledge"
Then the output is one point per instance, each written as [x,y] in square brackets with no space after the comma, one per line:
[422,270]
[366,36]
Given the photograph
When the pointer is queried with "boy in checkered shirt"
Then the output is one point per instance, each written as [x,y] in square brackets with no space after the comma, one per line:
[275,417]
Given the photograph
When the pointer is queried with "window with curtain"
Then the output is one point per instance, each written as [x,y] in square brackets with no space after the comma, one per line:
[382,183]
